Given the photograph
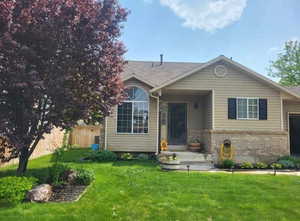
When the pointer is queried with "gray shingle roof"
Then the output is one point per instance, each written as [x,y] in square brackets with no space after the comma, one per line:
[295,89]
[155,73]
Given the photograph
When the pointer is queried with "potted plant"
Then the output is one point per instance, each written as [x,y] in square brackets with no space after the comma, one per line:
[195,145]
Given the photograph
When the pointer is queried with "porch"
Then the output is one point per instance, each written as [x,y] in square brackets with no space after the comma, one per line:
[185,160]
[184,116]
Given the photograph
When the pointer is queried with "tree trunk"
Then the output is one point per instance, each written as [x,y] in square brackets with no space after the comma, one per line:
[23,161]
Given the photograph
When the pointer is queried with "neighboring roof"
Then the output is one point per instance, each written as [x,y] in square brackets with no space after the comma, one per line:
[294,89]
[159,76]
[154,74]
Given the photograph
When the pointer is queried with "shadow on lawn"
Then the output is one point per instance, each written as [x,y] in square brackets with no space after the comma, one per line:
[72,155]
[41,173]
[143,163]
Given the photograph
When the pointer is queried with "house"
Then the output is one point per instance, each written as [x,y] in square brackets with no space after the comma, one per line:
[213,101]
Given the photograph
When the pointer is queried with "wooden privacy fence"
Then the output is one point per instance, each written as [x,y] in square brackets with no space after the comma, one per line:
[84,136]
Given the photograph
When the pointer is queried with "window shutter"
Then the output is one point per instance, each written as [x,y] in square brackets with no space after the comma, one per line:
[263,109]
[232,108]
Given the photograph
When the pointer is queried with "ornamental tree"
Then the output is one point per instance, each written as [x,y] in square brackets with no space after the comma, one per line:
[287,65]
[60,61]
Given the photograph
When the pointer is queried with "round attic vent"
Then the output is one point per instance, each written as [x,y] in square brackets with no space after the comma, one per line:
[220,71]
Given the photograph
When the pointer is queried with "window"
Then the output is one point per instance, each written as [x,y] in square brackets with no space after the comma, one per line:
[133,112]
[247,108]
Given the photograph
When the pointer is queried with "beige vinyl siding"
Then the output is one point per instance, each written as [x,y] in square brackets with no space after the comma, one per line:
[235,84]
[289,107]
[208,112]
[133,142]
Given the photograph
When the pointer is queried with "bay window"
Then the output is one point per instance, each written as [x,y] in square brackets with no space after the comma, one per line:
[133,112]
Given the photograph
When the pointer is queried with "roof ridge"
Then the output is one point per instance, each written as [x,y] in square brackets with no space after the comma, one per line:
[184,62]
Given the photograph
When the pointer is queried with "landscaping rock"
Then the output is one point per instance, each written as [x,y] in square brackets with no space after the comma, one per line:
[70,176]
[41,193]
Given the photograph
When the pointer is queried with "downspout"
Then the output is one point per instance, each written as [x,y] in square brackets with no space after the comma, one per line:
[157,122]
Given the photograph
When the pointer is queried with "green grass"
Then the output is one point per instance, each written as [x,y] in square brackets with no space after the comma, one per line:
[140,191]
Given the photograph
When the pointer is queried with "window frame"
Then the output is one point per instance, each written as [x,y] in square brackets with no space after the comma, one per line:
[237,108]
[132,113]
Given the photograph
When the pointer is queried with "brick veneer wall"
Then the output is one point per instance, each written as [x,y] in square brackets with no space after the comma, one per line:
[251,146]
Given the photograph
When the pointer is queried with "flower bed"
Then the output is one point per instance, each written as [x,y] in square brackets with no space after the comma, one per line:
[283,163]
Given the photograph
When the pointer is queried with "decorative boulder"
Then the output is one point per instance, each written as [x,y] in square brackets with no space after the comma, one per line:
[72,177]
[41,193]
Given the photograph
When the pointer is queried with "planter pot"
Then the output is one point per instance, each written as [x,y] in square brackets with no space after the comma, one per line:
[195,147]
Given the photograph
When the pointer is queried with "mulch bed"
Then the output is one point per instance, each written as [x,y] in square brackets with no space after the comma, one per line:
[68,193]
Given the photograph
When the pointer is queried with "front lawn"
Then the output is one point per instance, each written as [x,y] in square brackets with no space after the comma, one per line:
[139,190]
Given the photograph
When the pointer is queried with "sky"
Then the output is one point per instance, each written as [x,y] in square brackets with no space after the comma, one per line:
[252,32]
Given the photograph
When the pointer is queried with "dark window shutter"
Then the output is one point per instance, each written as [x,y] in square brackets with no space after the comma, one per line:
[263,109]
[232,108]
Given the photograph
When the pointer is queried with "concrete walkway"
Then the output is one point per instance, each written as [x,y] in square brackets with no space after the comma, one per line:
[262,172]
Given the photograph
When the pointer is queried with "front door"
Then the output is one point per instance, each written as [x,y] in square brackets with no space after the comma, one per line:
[295,134]
[177,125]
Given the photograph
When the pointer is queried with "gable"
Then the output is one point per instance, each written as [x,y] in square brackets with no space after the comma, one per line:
[234,81]
[222,59]
[138,83]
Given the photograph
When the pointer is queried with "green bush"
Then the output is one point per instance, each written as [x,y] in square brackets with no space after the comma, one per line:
[126,156]
[276,166]
[143,156]
[84,177]
[103,156]
[247,165]
[289,158]
[13,189]
[260,165]
[227,164]
[287,164]
[56,174]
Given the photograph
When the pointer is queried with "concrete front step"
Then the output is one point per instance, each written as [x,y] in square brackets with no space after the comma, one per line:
[188,156]
[195,161]
[177,147]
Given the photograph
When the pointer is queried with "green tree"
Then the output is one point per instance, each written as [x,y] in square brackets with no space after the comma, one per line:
[287,65]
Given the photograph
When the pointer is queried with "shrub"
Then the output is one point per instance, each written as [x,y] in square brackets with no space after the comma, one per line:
[227,164]
[287,164]
[276,166]
[56,174]
[84,176]
[289,158]
[126,156]
[143,156]
[103,156]
[247,165]
[13,189]
[260,165]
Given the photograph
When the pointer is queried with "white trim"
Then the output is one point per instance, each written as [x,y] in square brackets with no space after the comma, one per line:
[213,109]
[281,113]
[105,134]
[247,98]
[157,123]
[247,70]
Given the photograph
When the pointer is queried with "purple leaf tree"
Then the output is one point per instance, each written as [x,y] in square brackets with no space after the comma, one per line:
[60,61]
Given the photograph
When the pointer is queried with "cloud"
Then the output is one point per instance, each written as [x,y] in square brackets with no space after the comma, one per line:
[208,15]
